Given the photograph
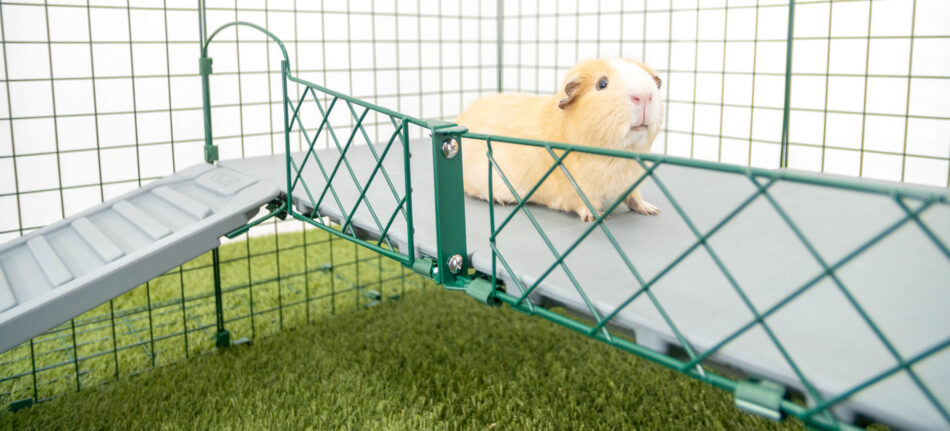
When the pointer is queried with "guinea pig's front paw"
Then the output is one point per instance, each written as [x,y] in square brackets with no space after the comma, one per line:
[643,207]
[586,215]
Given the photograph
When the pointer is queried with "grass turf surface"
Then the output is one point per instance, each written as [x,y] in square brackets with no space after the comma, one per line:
[432,360]
[269,283]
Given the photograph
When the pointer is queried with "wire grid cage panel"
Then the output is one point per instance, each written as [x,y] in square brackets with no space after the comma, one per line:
[864,90]
[430,98]
[103,98]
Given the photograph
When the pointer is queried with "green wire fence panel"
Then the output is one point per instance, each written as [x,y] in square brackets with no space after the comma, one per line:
[269,283]
[742,265]
[119,141]
[829,289]
[832,287]
[749,337]
[339,176]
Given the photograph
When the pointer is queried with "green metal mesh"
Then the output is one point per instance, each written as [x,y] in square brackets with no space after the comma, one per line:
[913,205]
[288,278]
[521,46]
[397,143]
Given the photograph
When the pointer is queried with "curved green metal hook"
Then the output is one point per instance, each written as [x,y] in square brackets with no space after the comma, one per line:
[211,150]
[204,48]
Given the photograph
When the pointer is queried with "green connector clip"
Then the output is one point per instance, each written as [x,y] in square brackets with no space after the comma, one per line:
[20,404]
[453,130]
[439,124]
[222,339]
[482,291]
[275,208]
[204,66]
[211,153]
[763,398]
[274,205]
[445,127]
[424,266]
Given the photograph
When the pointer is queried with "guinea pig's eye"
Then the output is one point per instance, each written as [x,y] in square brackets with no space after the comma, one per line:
[602,84]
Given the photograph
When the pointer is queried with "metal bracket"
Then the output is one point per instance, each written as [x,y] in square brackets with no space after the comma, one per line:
[763,398]
[449,203]
[204,66]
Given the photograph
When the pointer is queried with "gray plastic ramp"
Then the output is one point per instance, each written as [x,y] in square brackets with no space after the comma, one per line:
[56,273]
[901,283]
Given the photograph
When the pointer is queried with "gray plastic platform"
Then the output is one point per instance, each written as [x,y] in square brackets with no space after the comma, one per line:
[903,283]
[56,273]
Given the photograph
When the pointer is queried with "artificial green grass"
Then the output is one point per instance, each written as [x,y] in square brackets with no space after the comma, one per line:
[432,360]
[269,283]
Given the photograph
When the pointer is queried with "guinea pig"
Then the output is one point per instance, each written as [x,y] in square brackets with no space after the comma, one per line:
[603,103]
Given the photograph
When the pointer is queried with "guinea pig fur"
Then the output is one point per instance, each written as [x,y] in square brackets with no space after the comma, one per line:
[603,103]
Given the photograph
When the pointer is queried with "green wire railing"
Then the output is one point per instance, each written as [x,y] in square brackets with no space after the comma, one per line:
[763,180]
[294,171]
[400,134]
[450,215]
[451,244]
[450,229]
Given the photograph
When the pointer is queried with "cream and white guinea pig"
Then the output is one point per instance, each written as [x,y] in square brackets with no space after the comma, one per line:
[607,103]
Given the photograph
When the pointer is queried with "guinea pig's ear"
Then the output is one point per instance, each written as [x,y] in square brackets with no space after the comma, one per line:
[658,81]
[571,91]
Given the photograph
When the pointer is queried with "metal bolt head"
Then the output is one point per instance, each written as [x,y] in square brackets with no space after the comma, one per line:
[455,263]
[450,147]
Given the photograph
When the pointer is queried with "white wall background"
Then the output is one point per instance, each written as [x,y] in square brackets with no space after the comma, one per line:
[101,96]
[724,76]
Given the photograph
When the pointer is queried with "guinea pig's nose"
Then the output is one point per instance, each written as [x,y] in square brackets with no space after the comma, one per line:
[639,98]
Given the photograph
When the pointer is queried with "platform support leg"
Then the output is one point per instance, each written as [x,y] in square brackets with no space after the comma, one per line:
[222,338]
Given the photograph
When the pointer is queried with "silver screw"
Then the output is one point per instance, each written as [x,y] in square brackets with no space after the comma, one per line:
[455,264]
[450,148]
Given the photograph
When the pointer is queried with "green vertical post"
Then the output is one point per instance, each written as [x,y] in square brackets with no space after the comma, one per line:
[452,254]
[204,68]
[410,224]
[783,155]
[500,42]
[284,73]
[222,338]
